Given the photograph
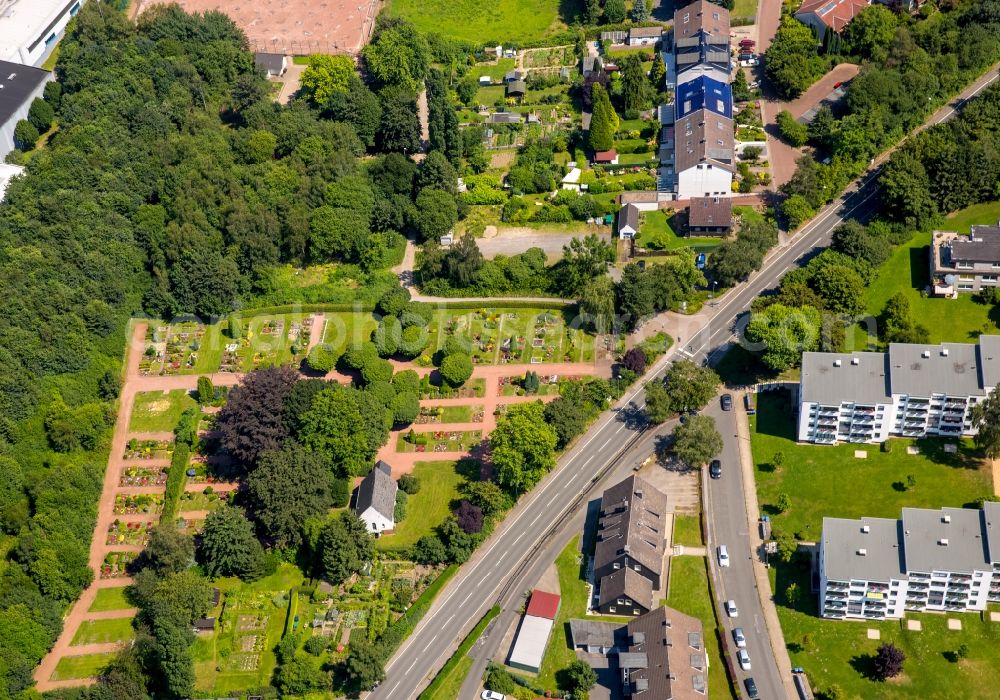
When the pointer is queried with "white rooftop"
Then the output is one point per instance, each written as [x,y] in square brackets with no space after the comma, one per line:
[21,21]
[573,176]
[7,171]
[529,647]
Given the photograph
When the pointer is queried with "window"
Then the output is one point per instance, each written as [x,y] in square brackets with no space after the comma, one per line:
[617,565]
[612,609]
[637,567]
[51,40]
[620,601]
[73,10]
[636,611]
[963,265]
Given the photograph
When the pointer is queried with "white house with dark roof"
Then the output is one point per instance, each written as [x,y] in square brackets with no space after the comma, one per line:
[30,29]
[960,263]
[913,390]
[628,222]
[376,499]
[945,560]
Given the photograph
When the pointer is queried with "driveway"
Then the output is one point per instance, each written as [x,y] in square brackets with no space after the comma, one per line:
[511,241]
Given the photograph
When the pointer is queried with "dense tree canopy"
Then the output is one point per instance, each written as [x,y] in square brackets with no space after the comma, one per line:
[523,446]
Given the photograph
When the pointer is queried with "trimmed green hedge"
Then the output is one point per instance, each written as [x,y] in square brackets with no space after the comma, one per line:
[462,650]
[399,630]
[175,482]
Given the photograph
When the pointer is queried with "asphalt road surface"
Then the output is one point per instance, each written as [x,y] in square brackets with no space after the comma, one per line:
[727,517]
[497,571]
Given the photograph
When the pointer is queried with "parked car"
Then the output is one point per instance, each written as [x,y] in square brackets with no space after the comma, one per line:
[727,402]
[745,55]
[747,42]
[492,695]
[731,609]
[748,62]
[751,687]
[715,469]
[723,556]
[744,659]
[739,638]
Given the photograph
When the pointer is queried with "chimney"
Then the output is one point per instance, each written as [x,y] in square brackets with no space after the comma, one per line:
[862,552]
[946,518]
[855,360]
[944,352]
[865,529]
[943,542]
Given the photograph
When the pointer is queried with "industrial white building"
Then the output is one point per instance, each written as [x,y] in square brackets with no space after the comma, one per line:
[944,560]
[19,86]
[30,29]
[913,390]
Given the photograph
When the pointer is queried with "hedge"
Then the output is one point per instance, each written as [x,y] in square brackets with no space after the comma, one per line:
[456,658]
[175,482]
[399,630]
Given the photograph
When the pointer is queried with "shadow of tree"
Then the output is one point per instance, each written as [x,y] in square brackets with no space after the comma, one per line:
[864,665]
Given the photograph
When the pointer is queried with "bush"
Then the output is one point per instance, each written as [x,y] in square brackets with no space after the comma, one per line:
[409,483]
[456,369]
[413,341]
[375,369]
[405,407]
[399,512]
[407,380]
[886,446]
[340,492]
[41,115]
[387,336]
[322,358]
[796,134]
[316,645]
[25,135]
[457,345]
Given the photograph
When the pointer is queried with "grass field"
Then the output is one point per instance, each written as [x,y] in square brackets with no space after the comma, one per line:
[837,652]
[116,629]
[155,411]
[574,592]
[86,666]
[496,70]
[687,530]
[427,508]
[815,476]
[656,232]
[458,414]
[110,599]
[689,594]
[487,22]
[744,9]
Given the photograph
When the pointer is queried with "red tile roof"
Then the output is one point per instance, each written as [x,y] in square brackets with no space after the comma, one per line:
[836,14]
[602,156]
[543,604]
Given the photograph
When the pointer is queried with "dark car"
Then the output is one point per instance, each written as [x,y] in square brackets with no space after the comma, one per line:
[727,402]
[715,469]
[747,44]
[751,688]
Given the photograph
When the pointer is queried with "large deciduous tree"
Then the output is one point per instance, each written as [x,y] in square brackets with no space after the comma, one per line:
[781,334]
[523,446]
[326,75]
[986,420]
[343,546]
[288,487]
[332,428]
[696,440]
[251,421]
[228,546]
[690,386]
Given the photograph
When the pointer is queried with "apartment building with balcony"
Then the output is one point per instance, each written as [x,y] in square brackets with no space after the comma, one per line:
[913,390]
[945,560]
[965,264]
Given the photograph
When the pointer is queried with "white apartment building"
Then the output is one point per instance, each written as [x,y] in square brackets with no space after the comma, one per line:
[944,560]
[30,29]
[912,390]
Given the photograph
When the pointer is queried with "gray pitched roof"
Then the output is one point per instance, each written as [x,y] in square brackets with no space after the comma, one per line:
[627,582]
[628,215]
[671,670]
[592,633]
[645,32]
[710,211]
[924,530]
[989,360]
[922,370]
[991,526]
[633,516]
[19,82]
[377,490]
[516,86]
[844,539]
[704,137]
[866,383]
[270,62]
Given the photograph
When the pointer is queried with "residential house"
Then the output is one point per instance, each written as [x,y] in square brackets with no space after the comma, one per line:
[516,88]
[616,38]
[644,36]
[376,499]
[272,64]
[913,390]
[703,93]
[513,75]
[625,592]
[19,86]
[945,560]
[961,263]
[631,530]
[710,216]
[704,160]
[504,118]
[628,222]
[700,43]
[606,157]
[660,654]
[824,15]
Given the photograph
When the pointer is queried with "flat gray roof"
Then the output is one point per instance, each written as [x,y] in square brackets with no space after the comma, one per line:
[923,370]
[989,360]
[991,525]
[844,538]
[865,383]
[924,529]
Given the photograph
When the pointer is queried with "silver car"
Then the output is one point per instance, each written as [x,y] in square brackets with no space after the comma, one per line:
[739,638]
[744,658]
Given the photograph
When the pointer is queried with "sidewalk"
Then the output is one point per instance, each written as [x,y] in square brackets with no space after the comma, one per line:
[759,571]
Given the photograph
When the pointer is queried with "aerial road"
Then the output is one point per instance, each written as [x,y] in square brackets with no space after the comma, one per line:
[521,543]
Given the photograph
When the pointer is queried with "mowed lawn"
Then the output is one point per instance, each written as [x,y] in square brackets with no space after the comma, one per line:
[110,599]
[839,653]
[156,411]
[85,666]
[656,232]
[117,629]
[485,21]
[948,320]
[687,530]
[427,508]
[828,480]
[689,594]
